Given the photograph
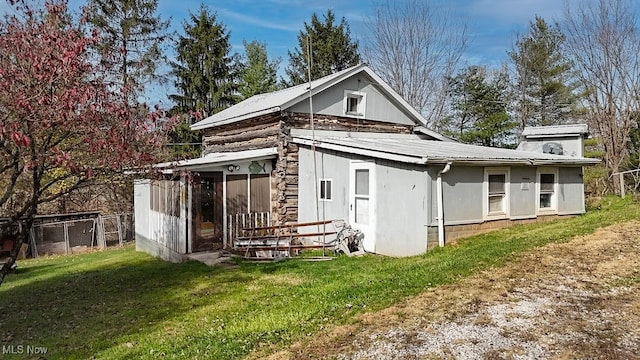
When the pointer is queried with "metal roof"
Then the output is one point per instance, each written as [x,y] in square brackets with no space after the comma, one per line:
[555,130]
[267,103]
[411,149]
[220,159]
[281,100]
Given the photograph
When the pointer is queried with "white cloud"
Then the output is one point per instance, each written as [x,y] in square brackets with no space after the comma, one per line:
[260,22]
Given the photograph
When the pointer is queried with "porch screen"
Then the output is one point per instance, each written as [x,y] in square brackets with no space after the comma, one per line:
[260,190]
[237,195]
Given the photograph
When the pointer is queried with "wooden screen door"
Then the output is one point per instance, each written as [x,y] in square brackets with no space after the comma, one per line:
[362,201]
[207,212]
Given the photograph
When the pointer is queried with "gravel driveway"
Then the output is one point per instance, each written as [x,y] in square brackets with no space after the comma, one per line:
[577,300]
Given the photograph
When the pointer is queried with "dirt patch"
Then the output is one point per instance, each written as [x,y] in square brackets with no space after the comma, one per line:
[575,300]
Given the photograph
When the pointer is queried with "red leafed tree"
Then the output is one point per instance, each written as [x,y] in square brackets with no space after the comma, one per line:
[62,122]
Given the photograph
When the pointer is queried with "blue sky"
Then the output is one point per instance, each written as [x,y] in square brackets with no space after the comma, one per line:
[492,23]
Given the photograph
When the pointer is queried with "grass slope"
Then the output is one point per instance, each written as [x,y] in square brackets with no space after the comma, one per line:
[124,304]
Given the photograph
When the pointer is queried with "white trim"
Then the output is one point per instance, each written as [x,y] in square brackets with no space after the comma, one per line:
[507,196]
[248,192]
[212,161]
[418,151]
[361,103]
[554,197]
[363,152]
[369,229]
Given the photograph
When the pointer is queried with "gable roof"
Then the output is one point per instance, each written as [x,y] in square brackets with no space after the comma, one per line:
[281,100]
[412,149]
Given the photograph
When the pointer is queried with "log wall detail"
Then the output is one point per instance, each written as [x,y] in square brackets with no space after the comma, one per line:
[274,130]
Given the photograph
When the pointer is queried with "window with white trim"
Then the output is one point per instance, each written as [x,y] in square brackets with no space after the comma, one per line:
[547,189]
[325,189]
[354,103]
[496,192]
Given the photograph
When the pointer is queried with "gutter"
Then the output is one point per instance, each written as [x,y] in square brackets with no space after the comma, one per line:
[440,200]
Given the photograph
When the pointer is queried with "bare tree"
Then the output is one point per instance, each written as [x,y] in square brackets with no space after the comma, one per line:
[604,41]
[415,48]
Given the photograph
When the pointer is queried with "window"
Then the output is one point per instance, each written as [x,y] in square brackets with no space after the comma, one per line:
[354,103]
[325,189]
[362,196]
[248,193]
[259,193]
[547,183]
[496,190]
[497,193]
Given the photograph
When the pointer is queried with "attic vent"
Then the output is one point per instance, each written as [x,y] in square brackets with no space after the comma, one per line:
[552,148]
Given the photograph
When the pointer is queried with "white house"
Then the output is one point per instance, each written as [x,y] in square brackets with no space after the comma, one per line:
[348,147]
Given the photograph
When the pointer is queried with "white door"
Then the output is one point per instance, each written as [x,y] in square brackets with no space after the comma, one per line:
[362,201]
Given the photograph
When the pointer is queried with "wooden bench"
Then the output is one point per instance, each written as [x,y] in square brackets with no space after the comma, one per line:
[278,239]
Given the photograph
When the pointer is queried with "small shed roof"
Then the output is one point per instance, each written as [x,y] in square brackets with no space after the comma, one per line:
[412,149]
[555,130]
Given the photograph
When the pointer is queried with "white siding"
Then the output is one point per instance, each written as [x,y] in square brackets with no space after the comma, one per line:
[402,209]
[329,166]
[571,191]
[402,202]
[378,106]
[157,232]
[523,192]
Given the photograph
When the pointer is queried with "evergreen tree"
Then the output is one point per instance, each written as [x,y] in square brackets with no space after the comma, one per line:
[545,85]
[184,142]
[133,35]
[206,74]
[332,50]
[259,74]
[479,104]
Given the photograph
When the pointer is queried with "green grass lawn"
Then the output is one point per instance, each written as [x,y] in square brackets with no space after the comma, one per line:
[124,304]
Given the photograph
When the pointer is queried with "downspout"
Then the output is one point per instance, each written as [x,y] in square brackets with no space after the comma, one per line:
[440,201]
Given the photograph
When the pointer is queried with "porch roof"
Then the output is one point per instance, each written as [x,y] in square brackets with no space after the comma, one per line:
[218,159]
[415,150]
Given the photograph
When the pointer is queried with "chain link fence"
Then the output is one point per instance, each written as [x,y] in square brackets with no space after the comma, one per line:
[80,235]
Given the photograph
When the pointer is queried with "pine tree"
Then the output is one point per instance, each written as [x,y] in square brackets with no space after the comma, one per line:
[206,74]
[259,74]
[332,49]
[479,104]
[545,84]
[133,34]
